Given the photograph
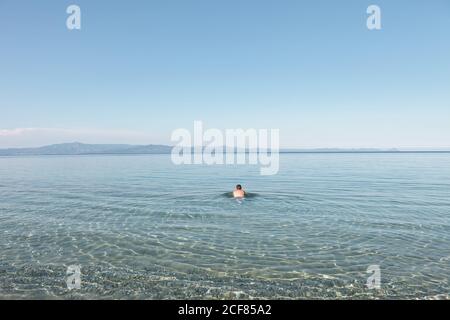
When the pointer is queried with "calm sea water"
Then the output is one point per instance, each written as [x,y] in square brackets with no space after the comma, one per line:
[142,228]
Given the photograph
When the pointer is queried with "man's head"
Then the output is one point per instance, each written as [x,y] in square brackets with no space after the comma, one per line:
[238,187]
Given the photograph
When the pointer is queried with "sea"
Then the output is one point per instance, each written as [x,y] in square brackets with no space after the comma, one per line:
[327,226]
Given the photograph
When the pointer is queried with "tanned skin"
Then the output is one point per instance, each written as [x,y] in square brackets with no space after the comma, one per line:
[238,192]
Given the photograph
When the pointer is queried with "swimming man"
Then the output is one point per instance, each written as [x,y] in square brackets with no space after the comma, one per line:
[238,192]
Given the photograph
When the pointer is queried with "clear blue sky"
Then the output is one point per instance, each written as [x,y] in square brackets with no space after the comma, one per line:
[139,69]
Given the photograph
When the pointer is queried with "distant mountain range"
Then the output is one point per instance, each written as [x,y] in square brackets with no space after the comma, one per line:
[77,148]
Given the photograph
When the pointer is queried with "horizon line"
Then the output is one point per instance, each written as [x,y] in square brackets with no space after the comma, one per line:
[251,150]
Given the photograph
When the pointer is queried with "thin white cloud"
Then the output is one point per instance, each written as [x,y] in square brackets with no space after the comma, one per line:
[15,132]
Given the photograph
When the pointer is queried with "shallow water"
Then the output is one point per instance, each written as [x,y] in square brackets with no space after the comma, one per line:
[142,228]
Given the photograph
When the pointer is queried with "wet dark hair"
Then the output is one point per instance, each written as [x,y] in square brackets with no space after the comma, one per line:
[238,187]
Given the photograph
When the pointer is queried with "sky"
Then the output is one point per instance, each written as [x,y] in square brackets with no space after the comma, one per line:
[138,70]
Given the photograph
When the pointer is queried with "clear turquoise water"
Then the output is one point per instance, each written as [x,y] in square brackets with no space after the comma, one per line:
[141,227]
